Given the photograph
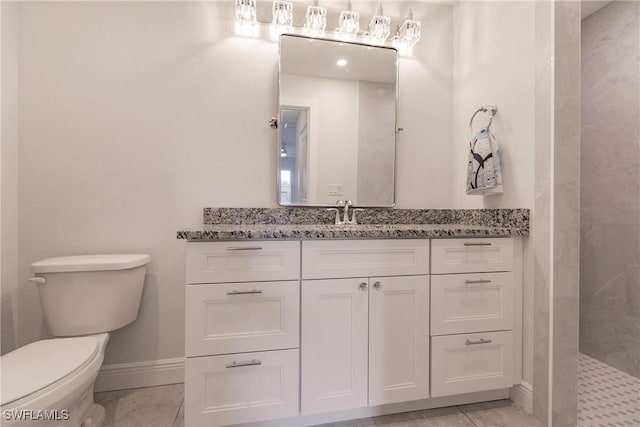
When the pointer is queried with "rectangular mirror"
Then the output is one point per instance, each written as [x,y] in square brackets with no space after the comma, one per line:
[337,123]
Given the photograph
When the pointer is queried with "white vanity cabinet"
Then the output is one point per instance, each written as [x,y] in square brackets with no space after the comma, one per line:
[242,332]
[472,316]
[308,330]
[365,340]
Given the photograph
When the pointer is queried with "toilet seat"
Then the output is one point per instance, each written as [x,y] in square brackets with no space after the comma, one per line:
[38,365]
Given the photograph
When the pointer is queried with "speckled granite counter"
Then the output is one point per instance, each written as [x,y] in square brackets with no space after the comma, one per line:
[364,231]
[308,223]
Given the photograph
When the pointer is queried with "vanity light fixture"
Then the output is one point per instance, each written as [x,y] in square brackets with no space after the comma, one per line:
[348,24]
[316,21]
[379,28]
[282,17]
[246,23]
[246,12]
[408,34]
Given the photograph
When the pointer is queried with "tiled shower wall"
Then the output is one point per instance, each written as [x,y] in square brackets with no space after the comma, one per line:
[555,221]
[610,191]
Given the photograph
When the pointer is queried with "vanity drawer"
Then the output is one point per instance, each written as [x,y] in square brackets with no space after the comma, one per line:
[241,388]
[364,258]
[471,255]
[220,262]
[242,317]
[471,362]
[471,303]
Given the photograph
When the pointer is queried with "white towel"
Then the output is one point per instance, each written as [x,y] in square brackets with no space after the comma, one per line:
[484,174]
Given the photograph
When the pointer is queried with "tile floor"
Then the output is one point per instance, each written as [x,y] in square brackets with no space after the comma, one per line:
[606,396]
[163,407]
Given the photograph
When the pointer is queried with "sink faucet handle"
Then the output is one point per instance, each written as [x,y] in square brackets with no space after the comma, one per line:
[354,220]
[337,211]
[340,203]
[345,218]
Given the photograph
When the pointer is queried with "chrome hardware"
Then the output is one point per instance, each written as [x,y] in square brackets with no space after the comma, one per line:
[253,291]
[491,110]
[337,211]
[354,220]
[377,286]
[246,248]
[345,215]
[477,244]
[347,205]
[273,123]
[480,341]
[252,362]
[363,286]
[471,282]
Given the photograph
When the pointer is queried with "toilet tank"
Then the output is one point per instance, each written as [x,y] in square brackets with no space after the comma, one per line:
[89,294]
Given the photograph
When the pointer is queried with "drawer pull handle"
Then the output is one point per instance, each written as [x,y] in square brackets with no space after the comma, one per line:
[477,244]
[480,341]
[471,282]
[252,362]
[253,291]
[246,248]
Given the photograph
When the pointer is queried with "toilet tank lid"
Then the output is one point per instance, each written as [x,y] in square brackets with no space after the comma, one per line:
[68,264]
[42,363]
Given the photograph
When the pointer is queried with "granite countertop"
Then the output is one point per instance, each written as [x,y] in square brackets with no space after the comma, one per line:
[363,231]
[314,223]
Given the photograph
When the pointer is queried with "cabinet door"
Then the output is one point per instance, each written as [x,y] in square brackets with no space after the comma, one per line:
[475,302]
[398,339]
[241,317]
[471,362]
[479,255]
[334,345]
[326,259]
[237,261]
[241,388]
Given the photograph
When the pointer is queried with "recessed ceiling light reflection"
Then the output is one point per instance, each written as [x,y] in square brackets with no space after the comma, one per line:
[341,62]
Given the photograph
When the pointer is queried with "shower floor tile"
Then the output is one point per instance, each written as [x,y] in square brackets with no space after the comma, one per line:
[606,396]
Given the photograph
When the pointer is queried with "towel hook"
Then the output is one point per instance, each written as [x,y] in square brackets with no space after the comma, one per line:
[489,109]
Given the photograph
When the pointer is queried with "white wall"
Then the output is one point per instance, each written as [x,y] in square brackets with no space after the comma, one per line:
[133,116]
[9,295]
[494,64]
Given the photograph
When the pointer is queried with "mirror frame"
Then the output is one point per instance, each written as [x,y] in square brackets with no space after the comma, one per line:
[395,133]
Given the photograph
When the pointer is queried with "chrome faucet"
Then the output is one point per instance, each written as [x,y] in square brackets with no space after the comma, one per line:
[345,218]
[345,215]
[339,204]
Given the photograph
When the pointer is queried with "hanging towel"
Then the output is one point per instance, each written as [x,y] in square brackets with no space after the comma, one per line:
[484,175]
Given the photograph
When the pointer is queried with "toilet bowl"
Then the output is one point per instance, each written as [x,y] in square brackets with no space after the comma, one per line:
[50,382]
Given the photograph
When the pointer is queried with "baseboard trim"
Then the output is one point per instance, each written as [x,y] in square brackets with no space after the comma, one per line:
[121,376]
[522,395]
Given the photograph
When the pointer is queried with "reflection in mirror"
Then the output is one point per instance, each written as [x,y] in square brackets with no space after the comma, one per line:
[337,124]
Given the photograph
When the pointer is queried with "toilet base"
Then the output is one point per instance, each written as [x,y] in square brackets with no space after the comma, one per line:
[95,416]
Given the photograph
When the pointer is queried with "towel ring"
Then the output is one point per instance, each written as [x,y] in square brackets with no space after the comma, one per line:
[489,109]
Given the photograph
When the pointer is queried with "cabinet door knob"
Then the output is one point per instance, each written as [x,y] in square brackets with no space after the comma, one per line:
[363,286]
[377,286]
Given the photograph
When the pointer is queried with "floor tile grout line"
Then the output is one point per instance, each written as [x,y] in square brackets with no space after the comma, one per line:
[466,415]
[175,418]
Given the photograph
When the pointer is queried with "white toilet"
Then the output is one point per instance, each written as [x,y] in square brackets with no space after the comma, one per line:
[50,382]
